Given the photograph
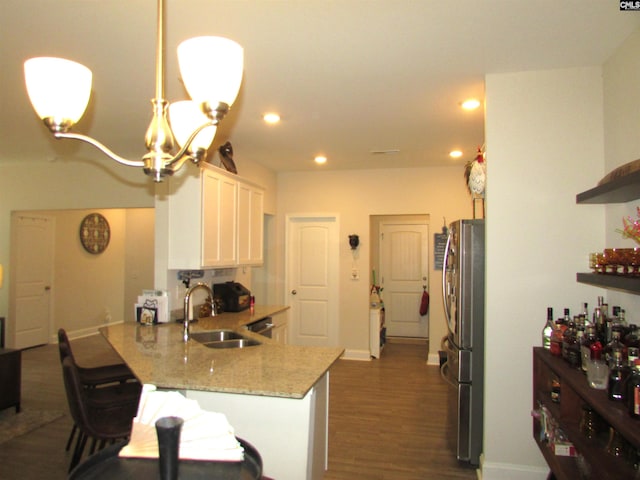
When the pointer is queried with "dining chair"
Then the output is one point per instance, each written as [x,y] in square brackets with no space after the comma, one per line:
[92,377]
[104,415]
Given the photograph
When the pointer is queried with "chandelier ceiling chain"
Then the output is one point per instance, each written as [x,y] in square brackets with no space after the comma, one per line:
[211,70]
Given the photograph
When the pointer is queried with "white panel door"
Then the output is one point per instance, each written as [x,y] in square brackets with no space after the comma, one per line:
[312,280]
[404,258]
[31,275]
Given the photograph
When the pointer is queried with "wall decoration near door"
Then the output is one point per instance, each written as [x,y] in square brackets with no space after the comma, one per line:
[95,233]
[475,174]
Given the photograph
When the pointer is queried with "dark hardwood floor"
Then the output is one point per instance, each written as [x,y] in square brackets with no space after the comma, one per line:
[387,417]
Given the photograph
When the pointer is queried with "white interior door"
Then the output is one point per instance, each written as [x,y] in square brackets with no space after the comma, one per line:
[312,280]
[404,267]
[31,276]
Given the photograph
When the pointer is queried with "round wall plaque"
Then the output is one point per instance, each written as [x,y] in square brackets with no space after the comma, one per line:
[94,233]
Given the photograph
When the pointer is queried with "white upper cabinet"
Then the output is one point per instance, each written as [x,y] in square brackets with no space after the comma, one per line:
[219,219]
[214,220]
[250,224]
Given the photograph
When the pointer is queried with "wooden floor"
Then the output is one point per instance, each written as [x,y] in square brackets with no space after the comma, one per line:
[387,417]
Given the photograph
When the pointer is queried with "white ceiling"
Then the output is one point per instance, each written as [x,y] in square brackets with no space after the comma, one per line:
[348,77]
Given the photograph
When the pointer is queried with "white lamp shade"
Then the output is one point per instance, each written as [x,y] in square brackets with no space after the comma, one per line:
[211,69]
[185,117]
[58,88]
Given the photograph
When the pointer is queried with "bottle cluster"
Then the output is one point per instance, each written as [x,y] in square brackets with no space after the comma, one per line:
[604,346]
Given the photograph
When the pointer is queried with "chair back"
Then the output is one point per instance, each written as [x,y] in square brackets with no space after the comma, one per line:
[76,394]
[64,345]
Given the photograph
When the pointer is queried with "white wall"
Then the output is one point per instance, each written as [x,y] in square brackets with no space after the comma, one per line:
[544,133]
[622,145]
[90,291]
[39,185]
[355,196]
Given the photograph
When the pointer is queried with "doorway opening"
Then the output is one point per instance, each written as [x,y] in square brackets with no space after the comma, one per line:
[55,282]
[400,263]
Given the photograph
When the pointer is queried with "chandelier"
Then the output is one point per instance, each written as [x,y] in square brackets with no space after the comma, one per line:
[211,70]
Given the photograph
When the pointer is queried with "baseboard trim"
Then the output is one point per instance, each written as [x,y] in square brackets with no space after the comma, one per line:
[433,359]
[82,332]
[362,355]
[408,340]
[509,471]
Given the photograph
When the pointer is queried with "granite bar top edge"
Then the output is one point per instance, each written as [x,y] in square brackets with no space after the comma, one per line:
[157,355]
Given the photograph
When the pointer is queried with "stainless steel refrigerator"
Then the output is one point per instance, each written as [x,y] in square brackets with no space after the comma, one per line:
[463,295]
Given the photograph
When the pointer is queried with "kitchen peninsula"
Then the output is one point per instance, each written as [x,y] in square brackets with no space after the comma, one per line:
[274,395]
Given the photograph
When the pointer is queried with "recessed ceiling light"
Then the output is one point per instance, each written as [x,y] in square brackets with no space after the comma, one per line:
[455,153]
[470,104]
[271,118]
[320,159]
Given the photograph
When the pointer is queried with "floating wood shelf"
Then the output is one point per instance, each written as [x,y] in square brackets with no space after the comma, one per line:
[619,282]
[619,190]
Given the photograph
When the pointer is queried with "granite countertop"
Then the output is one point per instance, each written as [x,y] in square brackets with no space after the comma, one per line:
[157,355]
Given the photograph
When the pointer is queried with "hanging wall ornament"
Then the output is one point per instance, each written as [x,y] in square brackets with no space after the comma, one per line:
[475,173]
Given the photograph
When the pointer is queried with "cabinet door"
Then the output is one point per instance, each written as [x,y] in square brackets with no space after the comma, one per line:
[280,332]
[250,224]
[218,220]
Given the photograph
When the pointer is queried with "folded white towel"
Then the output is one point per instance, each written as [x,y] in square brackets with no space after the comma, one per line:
[204,435]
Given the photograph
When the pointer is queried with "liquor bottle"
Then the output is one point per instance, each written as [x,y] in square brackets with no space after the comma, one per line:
[618,374]
[615,345]
[598,321]
[585,312]
[631,343]
[548,329]
[633,354]
[633,391]
[606,322]
[556,338]
[580,328]
[596,350]
[570,346]
[613,322]
[622,320]
[588,339]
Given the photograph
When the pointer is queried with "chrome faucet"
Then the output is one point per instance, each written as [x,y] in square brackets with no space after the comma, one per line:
[187,297]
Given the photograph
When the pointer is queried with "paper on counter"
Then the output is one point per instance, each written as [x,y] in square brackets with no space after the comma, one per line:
[204,435]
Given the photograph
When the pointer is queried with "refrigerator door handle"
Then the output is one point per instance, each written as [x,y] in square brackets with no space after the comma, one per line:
[444,373]
[445,284]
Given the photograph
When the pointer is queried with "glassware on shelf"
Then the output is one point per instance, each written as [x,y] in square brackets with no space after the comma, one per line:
[590,422]
[597,374]
[616,444]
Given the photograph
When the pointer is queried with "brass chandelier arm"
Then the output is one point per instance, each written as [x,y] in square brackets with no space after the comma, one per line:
[173,164]
[179,158]
[101,147]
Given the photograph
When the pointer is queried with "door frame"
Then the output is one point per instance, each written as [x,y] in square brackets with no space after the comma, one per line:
[334,336]
[11,324]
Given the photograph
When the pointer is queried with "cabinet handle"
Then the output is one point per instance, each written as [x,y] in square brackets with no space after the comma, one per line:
[293,292]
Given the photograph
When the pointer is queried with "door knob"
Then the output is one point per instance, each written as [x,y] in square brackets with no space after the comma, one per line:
[47,288]
[293,292]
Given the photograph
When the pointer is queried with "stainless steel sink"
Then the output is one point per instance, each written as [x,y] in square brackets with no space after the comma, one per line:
[224,339]
[237,343]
